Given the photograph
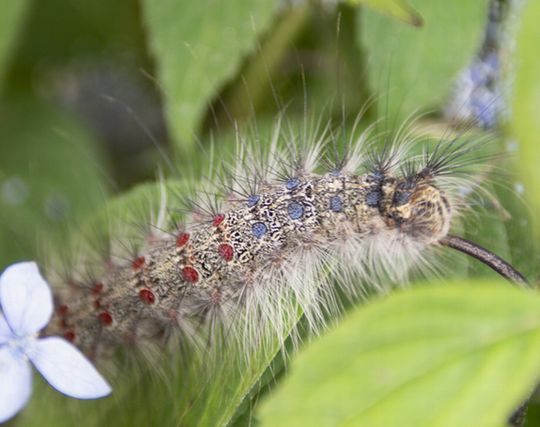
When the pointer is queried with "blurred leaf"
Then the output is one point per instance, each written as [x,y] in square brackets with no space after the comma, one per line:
[399,9]
[526,105]
[51,173]
[451,355]
[198,46]
[11,18]
[412,69]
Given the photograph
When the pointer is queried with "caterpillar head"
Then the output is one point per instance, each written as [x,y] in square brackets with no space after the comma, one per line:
[416,208]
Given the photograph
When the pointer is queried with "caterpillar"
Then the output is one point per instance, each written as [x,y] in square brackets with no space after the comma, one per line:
[291,226]
[285,231]
[277,235]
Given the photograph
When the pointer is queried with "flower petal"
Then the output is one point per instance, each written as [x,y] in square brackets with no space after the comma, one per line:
[25,298]
[5,331]
[66,369]
[15,383]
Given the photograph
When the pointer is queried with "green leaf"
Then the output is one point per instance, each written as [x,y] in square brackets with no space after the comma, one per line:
[11,18]
[399,9]
[451,355]
[198,46]
[413,69]
[526,105]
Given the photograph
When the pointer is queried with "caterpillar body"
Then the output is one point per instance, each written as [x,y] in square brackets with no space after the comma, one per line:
[277,240]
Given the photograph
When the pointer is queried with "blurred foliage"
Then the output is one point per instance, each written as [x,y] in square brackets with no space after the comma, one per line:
[37,196]
[526,105]
[399,9]
[414,69]
[13,13]
[96,96]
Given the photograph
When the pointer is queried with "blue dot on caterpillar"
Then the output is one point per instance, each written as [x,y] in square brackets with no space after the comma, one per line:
[259,229]
[336,204]
[292,183]
[253,200]
[295,210]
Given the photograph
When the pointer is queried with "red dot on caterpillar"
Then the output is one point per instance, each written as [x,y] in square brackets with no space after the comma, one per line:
[226,251]
[69,336]
[190,274]
[105,318]
[62,310]
[98,288]
[138,263]
[147,296]
[97,303]
[182,239]
[218,219]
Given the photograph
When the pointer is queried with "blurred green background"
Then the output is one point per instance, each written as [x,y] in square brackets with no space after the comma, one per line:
[96,96]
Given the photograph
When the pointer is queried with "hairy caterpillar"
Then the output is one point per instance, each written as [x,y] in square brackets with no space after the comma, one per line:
[363,220]
[283,230]
[294,231]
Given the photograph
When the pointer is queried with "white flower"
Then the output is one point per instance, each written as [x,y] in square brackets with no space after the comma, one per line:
[26,308]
